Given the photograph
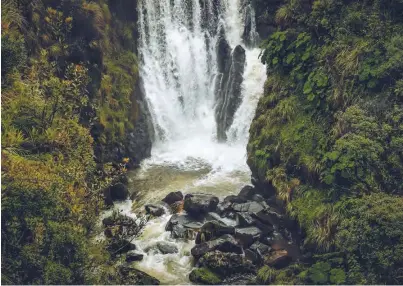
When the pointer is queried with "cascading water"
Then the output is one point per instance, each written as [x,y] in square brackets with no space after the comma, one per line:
[183,79]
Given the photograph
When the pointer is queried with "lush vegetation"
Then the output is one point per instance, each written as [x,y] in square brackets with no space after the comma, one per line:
[328,135]
[69,71]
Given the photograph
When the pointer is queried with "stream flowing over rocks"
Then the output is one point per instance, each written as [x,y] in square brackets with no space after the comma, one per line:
[201,78]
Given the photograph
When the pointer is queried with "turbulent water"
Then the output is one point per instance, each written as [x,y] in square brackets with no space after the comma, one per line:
[178,55]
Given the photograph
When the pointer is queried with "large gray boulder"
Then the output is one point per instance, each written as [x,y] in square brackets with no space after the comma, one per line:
[184,226]
[199,204]
[173,197]
[213,229]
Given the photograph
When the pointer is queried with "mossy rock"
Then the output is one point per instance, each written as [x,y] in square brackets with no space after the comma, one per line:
[204,276]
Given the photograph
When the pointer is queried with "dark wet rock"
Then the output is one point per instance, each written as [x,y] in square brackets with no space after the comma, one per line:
[235,199]
[278,259]
[244,219]
[240,279]
[120,246]
[252,207]
[252,256]
[204,276]
[258,198]
[224,207]
[226,264]
[167,247]
[117,192]
[225,243]
[118,219]
[260,248]
[269,216]
[176,207]
[154,210]
[247,192]
[248,235]
[213,229]
[223,51]
[211,216]
[132,256]
[184,226]
[173,197]
[132,276]
[228,91]
[198,204]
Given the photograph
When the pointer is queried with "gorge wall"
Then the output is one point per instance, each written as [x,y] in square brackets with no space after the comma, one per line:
[327,134]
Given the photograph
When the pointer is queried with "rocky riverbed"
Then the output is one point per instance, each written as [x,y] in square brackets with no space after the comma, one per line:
[222,241]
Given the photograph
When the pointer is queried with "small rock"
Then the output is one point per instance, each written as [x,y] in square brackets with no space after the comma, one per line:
[120,246]
[252,207]
[132,256]
[166,247]
[244,219]
[225,243]
[247,192]
[173,197]
[199,204]
[204,276]
[176,207]
[248,235]
[278,259]
[154,210]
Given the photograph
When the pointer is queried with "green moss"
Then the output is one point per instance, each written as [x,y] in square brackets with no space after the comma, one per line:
[204,276]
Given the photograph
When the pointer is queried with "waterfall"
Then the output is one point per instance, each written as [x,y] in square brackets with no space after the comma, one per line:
[193,103]
[202,80]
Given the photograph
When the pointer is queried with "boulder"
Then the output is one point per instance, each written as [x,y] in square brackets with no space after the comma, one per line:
[118,192]
[184,226]
[199,204]
[132,276]
[173,197]
[132,256]
[224,207]
[240,279]
[204,276]
[167,247]
[154,210]
[252,256]
[226,264]
[248,235]
[244,219]
[120,246]
[278,259]
[269,216]
[235,199]
[260,248]
[247,192]
[213,229]
[252,207]
[225,243]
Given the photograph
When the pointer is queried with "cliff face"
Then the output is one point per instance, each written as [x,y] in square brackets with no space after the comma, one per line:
[327,131]
[71,105]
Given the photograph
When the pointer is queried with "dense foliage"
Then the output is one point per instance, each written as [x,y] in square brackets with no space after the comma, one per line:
[328,133]
[69,72]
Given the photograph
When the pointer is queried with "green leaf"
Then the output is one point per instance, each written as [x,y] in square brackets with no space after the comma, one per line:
[307,87]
